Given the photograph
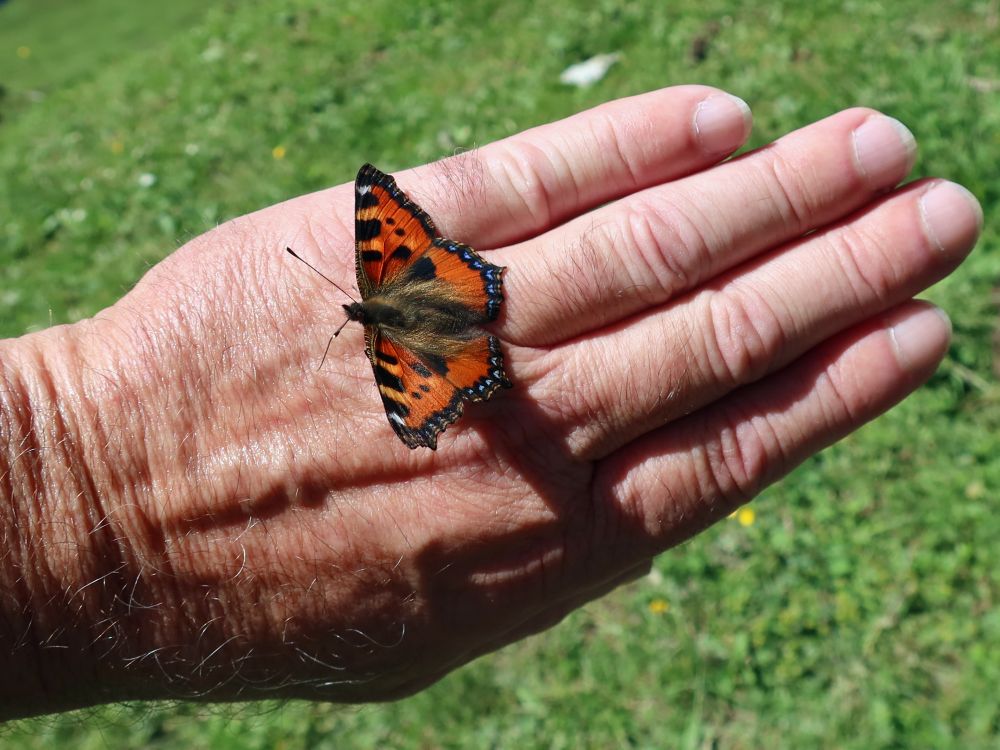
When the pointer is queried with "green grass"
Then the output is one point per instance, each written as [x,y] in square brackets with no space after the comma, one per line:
[859,610]
[50,44]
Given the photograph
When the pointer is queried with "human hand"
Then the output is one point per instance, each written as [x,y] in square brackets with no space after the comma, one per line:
[680,333]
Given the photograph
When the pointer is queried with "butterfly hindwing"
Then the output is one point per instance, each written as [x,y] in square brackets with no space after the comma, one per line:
[423,394]
[390,230]
[465,278]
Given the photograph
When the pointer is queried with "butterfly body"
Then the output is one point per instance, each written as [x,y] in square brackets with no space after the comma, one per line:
[424,301]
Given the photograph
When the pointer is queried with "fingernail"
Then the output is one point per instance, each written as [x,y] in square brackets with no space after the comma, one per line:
[885,150]
[722,123]
[952,217]
[921,337]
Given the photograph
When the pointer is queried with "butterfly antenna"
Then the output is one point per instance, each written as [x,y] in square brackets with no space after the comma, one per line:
[338,286]
[328,343]
[325,352]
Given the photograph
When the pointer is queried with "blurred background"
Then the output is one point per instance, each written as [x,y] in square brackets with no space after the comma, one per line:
[853,605]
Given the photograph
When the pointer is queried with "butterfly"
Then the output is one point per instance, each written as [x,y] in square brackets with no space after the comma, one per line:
[424,300]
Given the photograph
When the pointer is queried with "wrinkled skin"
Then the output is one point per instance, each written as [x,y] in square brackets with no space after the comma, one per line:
[210,516]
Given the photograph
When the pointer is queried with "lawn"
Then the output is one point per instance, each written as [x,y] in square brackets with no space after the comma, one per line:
[857,606]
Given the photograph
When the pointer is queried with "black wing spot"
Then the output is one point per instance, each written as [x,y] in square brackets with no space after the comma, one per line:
[400,232]
[416,394]
[367,229]
[402,252]
[390,221]
[367,200]
[371,256]
[437,363]
[421,371]
[423,270]
[425,388]
[385,378]
[394,407]
[386,357]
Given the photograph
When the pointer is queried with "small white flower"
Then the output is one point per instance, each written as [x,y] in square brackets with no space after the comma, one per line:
[147,179]
[214,51]
[589,72]
[191,149]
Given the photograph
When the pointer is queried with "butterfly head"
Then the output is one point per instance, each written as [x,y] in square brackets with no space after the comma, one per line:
[356,311]
[378,311]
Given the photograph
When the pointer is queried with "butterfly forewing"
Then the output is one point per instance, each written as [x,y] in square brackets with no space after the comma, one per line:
[390,231]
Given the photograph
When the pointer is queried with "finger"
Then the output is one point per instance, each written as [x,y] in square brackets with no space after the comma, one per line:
[647,248]
[759,319]
[673,482]
[519,186]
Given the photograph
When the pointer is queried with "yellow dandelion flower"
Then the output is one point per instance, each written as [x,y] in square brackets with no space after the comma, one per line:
[746,516]
[117,146]
[659,606]
[975,490]
[24,52]
[278,152]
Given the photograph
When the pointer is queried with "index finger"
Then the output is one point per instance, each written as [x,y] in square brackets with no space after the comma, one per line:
[517,187]
[520,186]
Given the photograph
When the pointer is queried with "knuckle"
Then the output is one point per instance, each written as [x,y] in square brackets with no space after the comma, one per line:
[606,411]
[856,255]
[659,519]
[667,244]
[789,191]
[526,171]
[464,173]
[835,398]
[743,335]
[580,269]
[608,140]
[739,459]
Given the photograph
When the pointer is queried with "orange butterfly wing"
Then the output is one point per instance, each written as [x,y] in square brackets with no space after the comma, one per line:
[398,252]
[421,398]
[390,230]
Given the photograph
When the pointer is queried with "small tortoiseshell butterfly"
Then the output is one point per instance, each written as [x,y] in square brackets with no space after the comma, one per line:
[424,299]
